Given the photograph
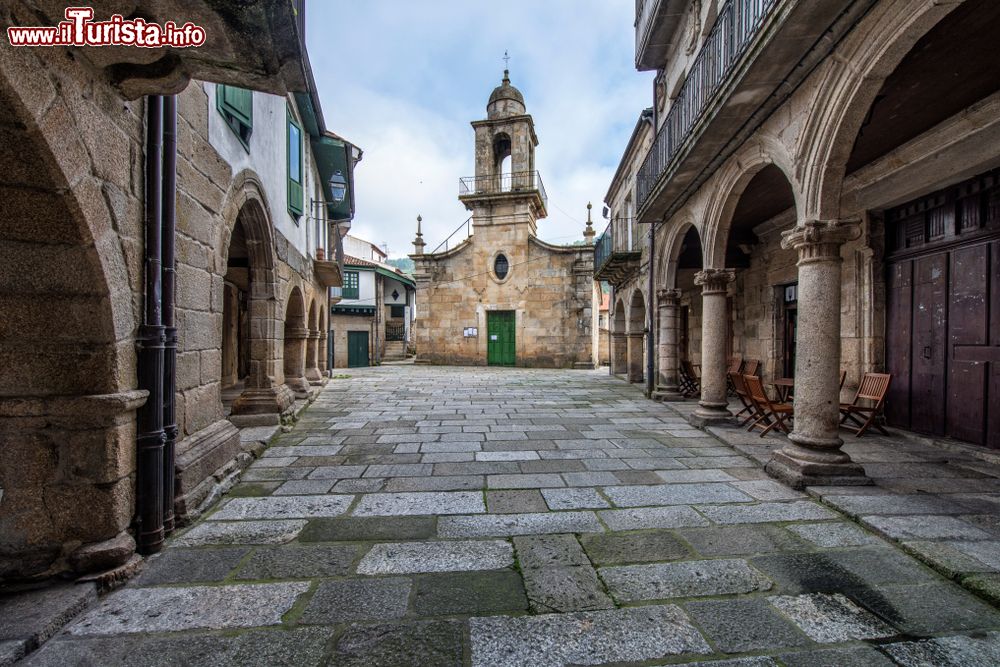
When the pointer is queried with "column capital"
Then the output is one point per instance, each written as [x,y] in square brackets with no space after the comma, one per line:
[820,240]
[668,297]
[714,281]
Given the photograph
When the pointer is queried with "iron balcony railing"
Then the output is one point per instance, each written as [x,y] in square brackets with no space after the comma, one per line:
[519,181]
[602,248]
[737,24]
[467,226]
[622,236]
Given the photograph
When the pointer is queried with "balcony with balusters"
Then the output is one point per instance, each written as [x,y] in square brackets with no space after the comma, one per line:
[754,56]
[618,251]
[520,183]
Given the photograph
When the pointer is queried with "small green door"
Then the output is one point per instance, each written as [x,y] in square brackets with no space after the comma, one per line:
[357,349]
[500,339]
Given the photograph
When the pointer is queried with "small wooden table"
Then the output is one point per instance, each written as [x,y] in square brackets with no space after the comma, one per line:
[784,387]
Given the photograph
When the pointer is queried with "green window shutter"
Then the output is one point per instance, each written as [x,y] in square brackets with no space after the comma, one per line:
[295,196]
[350,289]
[236,106]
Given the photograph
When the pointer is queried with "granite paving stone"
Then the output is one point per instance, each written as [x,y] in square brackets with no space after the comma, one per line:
[168,609]
[559,588]
[352,529]
[659,581]
[518,501]
[736,626]
[694,476]
[957,651]
[443,502]
[574,499]
[830,618]
[926,527]
[300,450]
[739,540]
[450,556]
[834,534]
[855,656]
[355,485]
[677,494]
[241,532]
[427,644]
[469,593]
[337,472]
[634,547]
[178,565]
[765,489]
[652,517]
[287,507]
[538,551]
[253,474]
[766,512]
[304,487]
[442,483]
[501,525]
[584,638]
[934,608]
[524,481]
[358,599]
[299,562]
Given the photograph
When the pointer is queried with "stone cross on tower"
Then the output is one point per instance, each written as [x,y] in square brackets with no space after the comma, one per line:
[588,233]
[506,61]
[418,241]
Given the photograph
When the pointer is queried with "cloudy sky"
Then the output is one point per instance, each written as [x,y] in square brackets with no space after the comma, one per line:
[403,78]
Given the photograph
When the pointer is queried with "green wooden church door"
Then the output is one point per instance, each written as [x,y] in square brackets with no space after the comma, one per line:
[357,349]
[500,344]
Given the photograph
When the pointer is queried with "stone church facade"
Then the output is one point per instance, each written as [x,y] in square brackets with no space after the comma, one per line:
[503,296]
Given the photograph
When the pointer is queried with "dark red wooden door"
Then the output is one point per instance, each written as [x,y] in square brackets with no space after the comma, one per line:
[928,353]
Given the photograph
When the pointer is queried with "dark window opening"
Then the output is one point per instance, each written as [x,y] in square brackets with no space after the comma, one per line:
[501,267]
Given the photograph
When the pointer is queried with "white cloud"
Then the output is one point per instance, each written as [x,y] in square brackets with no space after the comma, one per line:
[403,80]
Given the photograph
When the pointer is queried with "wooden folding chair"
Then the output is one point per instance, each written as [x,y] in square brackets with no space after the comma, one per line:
[843,377]
[873,387]
[735,364]
[690,384]
[771,414]
[750,367]
[749,407]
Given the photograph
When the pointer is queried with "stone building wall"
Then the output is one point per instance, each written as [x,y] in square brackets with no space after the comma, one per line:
[340,325]
[550,288]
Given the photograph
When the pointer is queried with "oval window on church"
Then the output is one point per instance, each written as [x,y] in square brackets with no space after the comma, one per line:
[501,266]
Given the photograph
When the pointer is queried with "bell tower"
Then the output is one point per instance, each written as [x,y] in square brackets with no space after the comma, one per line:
[506,187]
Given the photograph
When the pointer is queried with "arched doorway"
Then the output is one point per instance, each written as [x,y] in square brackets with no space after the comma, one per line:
[67,398]
[636,337]
[236,314]
[679,308]
[321,343]
[295,336]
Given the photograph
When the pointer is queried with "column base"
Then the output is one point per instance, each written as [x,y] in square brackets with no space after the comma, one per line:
[298,386]
[313,375]
[274,400]
[707,414]
[799,474]
[665,394]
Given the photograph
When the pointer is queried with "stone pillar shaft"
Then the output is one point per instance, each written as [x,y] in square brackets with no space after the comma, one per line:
[813,454]
[619,353]
[713,406]
[635,357]
[667,383]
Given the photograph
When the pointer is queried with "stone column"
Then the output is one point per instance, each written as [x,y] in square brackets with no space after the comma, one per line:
[313,373]
[295,367]
[667,384]
[813,455]
[321,352]
[713,406]
[635,357]
[264,393]
[619,353]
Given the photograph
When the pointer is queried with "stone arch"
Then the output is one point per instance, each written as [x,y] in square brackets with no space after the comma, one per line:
[619,320]
[295,335]
[845,92]
[619,342]
[246,203]
[312,344]
[673,244]
[67,322]
[637,312]
[732,180]
[636,336]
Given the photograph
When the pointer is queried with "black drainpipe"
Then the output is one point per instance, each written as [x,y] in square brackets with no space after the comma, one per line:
[651,310]
[149,435]
[170,328]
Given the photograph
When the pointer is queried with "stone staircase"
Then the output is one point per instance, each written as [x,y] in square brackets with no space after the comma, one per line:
[395,350]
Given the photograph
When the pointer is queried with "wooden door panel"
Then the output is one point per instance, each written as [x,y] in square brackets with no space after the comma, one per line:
[993,385]
[927,398]
[968,319]
[899,342]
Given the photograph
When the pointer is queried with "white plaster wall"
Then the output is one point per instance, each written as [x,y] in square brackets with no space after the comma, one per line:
[268,158]
[391,285]
[359,248]
[366,289]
